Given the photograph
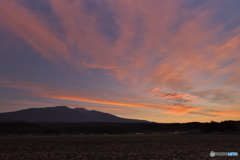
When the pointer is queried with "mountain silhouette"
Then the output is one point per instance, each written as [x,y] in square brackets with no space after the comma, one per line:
[62,114]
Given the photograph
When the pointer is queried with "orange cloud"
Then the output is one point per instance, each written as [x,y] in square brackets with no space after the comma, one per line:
[227,113]
[178,97]
[59,93]
[90,100]
[179,109]
[160,44]
[145,36]
[176,109]
[173,96]
[154,90]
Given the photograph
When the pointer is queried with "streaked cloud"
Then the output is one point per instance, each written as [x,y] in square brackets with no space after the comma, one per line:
[153,90]
[178,97]
[185,53]
[220,95]
[227,113]
[60,93]
[179,109]
[21,22]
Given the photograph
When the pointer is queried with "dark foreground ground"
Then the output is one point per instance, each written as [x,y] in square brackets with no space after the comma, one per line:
[72,147]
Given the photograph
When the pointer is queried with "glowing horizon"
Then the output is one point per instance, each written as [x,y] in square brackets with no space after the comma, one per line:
[162,61]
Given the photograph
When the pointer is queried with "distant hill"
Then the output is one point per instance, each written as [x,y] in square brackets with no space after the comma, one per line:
[64,120]
[97,116]
[62,114]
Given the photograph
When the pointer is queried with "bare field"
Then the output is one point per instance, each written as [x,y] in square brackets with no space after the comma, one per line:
[73,147]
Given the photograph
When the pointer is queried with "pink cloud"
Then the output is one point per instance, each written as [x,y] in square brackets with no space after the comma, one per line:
[153,49]
[227,113]
[178,97]
[33,30]
[179,109]
[58,93]
[153,90]
[180,54]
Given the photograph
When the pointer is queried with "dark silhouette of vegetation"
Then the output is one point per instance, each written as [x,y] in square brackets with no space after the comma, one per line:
[118,128]
[225,126]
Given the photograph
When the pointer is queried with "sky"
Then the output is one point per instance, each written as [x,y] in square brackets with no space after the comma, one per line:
[159,60]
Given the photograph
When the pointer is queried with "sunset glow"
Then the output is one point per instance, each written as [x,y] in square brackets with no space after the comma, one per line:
[158,60]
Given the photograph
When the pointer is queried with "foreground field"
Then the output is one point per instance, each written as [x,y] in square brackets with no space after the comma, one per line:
[195,147]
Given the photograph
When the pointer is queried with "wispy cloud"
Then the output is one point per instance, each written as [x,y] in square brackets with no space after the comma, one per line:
[220,95]
[35,31]
[180,109]
[153,90]
[178,97]
[227,113]
[184,52]
[60,93]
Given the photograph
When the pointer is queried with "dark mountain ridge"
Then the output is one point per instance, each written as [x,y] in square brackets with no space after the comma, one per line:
[62,114]
[64,120]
